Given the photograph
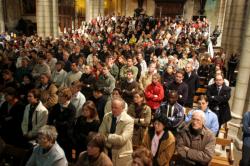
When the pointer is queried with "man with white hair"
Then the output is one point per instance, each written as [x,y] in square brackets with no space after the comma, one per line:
[212,122]
[196,143]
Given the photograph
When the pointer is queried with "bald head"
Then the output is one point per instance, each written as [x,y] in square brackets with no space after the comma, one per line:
[117,106]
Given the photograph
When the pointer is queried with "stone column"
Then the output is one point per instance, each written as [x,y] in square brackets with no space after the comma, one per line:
[55,18]
[47,17]
[40,18]
[48,22]
[94,8]
[188,9]
[88,10]
[221,18]
[2,25]
[232,31]
[240,104]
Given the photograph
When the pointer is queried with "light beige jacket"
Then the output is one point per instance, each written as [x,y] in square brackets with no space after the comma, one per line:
[39,119]
[121,141]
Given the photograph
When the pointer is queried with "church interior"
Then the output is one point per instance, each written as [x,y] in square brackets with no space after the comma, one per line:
[227,26]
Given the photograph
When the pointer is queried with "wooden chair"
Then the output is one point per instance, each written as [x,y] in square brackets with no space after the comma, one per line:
[203,81]
[201,91]
[224,130]
[227,160]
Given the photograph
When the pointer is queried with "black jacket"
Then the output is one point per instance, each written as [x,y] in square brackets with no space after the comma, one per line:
[193,85]
[218,103]
[63,121]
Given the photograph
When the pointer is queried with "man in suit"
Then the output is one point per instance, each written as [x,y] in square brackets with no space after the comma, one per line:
[218,96]
[118,126]
[192,80]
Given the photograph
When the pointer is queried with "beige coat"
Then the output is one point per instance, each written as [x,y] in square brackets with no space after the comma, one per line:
[49,97]
[140,126]
[121,141]
[39,119]
[145,80]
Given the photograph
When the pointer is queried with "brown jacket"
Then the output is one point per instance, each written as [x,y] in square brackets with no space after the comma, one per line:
[102,160]
[165,149]
[139,126]
[201,147]
[49,97]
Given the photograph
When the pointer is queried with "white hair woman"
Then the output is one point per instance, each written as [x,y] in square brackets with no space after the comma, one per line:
[48,152]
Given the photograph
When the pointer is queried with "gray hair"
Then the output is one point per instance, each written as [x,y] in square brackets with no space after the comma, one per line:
[120,100]
[49,132]
[201,114]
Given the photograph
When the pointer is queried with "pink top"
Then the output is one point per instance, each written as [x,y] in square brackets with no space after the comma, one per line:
[155,143]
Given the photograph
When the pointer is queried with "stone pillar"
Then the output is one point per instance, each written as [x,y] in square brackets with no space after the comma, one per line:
[232,31]
[55,18]
[40,18]
[221,18]
[2,25]
[240,104]
[94,8]
[188,9]
[88,13]
[47,17]
[48,23]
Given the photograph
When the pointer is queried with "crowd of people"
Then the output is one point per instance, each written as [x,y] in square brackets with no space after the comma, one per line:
[116,92]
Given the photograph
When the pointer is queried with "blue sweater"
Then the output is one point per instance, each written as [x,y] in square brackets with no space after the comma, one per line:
[246,129]
[54,157]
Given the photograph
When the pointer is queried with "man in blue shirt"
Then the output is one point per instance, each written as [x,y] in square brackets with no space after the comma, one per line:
[246,140]
[211,118]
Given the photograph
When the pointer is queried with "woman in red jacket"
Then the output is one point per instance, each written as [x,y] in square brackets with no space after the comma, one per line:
[154,93]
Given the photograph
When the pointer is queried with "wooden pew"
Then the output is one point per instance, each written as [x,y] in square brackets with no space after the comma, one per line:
[227,160]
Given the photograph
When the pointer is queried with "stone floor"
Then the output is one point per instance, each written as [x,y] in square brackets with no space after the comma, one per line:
[237,156]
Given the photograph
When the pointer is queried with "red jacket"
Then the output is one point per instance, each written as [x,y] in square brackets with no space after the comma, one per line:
[154,94]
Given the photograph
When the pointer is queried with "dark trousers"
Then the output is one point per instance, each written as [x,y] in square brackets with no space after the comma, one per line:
[245,161]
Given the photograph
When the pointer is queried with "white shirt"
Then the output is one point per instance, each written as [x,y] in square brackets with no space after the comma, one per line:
[78,100]
[58,77]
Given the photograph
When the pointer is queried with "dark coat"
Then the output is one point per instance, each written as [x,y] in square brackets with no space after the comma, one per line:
[201,147]
[10,123]
[193,85]
[218,103]
[102,160]
[128,90]
[100,105]
[81,131]
[63,121]
[182,90]
[175,121]
[88,81]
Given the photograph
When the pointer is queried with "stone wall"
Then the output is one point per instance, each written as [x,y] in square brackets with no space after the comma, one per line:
[131,5]
[13,13]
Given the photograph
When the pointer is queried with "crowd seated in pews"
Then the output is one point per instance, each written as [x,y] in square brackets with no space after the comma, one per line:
[136,80]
